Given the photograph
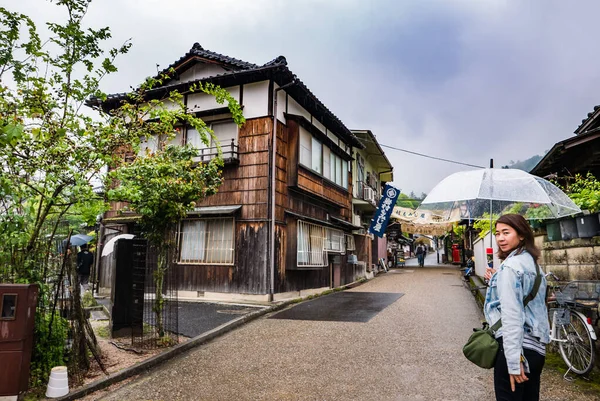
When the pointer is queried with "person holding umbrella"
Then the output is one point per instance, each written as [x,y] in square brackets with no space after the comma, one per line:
[512,296]
[85,260]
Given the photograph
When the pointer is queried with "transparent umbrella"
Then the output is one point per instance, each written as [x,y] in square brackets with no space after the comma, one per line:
[488,193]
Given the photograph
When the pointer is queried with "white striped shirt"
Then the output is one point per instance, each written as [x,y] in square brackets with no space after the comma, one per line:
[533,343]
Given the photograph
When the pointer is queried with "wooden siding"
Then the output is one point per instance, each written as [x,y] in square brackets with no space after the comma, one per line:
[281,186]
[319,190]
[298,190]
[363,251]
[247,276]
[114,209]
[247,183]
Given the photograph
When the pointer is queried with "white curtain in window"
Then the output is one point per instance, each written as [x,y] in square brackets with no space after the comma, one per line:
[350,245]
[193,139]
[338,170]
[224,133]
[310,246]
[344,173]
[303,244]
[219,241]
[178,140]
[305,147]
[192,240]
[148,143]
[326,162]
[335,240]
[332,157]
[317,249]
[317,155]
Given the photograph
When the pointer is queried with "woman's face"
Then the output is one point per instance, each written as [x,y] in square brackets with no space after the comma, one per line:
[507,238]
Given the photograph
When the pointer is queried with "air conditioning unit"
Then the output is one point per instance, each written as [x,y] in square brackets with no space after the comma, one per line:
[369,194]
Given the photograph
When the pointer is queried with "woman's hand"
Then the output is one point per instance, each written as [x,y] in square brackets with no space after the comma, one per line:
[520,378]
[489,272]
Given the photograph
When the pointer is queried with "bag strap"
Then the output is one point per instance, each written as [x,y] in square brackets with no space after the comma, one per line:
[536,286]
[528,298]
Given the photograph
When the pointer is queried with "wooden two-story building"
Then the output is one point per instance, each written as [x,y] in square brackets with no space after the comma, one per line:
[371,171]
[303,195]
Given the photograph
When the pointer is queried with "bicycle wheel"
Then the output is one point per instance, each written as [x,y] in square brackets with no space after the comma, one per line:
[578,350]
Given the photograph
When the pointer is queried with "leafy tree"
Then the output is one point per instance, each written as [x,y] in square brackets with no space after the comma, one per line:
[406,201]
[51,150]
[49,153]
[162,186]
[584,191]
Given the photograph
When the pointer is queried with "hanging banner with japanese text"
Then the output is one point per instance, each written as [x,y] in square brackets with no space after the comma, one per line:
[384,210]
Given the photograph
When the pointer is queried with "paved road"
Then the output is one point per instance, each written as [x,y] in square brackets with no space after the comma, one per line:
[430,260]
[410,350]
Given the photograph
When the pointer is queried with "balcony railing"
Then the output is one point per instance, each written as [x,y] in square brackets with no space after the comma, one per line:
[230,153]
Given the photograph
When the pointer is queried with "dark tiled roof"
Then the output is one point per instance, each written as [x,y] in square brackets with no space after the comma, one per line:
[589,116]
[276,68]
[199,51]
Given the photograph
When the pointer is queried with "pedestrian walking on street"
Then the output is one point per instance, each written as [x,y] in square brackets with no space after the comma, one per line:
[85,259]
[421,255]
[525,331]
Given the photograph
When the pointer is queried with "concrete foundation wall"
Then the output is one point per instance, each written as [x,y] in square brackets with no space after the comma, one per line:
[577,259]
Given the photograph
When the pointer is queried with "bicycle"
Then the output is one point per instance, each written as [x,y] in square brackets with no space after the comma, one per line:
[570,328]
[382,265]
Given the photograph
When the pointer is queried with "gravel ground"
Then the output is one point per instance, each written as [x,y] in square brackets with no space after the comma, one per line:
[411,350]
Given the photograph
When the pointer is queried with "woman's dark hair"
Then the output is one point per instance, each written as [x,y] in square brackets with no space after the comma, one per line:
[523,229]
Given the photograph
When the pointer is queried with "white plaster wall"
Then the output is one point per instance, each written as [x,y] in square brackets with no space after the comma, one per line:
[479,247]
[295,108]
[202,101]
[281,96]
[356,219]
[200,71]
[256,99]
[334,138]
[320,126]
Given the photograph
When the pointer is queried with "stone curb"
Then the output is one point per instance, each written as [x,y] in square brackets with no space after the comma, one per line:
[156,360]
[167,355]
[479,294]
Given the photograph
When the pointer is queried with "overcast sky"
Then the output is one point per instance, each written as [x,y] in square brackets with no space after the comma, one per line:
[462,80]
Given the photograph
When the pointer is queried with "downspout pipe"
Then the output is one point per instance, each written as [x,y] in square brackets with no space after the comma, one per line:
[274,192]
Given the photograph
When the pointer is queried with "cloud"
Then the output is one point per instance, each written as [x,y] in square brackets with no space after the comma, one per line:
[466,80]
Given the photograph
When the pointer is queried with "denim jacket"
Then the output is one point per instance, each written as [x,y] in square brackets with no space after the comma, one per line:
[512,282]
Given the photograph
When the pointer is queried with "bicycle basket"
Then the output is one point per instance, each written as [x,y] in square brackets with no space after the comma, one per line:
[563,316]
[580,291]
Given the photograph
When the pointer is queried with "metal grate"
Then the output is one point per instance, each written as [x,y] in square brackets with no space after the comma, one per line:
[350,245]
[145,299]
[311,245]
[335,240]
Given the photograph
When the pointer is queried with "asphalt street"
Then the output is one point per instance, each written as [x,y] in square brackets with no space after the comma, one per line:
[409,350]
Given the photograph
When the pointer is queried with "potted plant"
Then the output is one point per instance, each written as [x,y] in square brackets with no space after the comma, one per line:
[585,192]
[537,214]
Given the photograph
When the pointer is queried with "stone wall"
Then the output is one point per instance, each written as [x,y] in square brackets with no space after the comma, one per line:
[577,259]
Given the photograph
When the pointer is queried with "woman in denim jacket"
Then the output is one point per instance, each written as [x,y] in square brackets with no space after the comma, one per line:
[525,331]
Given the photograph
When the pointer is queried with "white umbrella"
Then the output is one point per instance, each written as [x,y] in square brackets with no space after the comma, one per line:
[483,194]
[473,194]
[109,247]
